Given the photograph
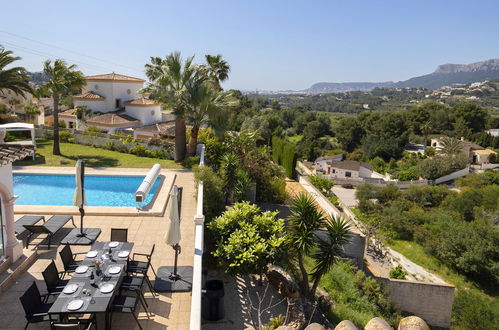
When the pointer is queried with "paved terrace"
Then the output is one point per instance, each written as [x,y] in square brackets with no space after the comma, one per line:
[171,311]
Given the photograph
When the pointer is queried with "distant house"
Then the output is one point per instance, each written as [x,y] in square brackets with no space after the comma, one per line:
[493,132]
[475,153]
[335,167]
[323,164]
[482,156]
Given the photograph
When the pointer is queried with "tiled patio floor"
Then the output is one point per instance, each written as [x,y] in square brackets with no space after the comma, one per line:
[171,311]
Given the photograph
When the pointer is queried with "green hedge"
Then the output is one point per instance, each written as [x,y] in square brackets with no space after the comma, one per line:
[284,154]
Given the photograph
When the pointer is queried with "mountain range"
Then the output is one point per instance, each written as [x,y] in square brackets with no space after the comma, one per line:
[444,75]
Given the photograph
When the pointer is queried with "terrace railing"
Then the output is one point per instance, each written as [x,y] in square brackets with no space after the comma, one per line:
[197,279]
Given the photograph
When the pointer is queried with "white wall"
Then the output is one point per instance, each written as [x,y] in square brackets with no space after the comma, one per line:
[147,115]
[111,91]
[341,173]
[365,172]
[6,177]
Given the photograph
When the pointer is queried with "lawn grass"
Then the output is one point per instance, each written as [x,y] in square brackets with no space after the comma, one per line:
[93,157]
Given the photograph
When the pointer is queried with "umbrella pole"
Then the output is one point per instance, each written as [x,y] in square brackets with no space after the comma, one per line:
[174,276]
[82,213]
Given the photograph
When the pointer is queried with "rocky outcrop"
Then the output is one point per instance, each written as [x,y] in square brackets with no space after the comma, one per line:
[282,281]
[377,323]
[489,65]
[346,325]
[413,323]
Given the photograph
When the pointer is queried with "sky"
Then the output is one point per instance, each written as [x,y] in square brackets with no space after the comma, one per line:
[270,45]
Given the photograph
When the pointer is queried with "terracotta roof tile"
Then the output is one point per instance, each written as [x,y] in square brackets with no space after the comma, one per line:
[112,119]
[114,77]
[166,128]
[351,165]
[68,113]
[90,96]
[9,153]
[142,101]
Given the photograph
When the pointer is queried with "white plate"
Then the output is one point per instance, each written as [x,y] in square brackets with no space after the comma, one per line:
[114,270]
[92,254]
[81,269]
[70,288]
[75,305]
[114,244]
[123,254]
[106,288]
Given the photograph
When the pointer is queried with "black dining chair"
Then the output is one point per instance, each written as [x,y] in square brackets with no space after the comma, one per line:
[34,305]
[52,278]
[125,304]
[142,267]
[135,284]
[79,324]
[119,234]
[69,259]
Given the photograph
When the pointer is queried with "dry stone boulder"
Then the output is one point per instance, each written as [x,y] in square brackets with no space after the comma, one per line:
[315,326]
[284,327]
[346,325]
[413,323]
[377,323]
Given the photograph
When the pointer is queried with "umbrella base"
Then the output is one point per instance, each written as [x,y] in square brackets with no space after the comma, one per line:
[165,282]
[75,237]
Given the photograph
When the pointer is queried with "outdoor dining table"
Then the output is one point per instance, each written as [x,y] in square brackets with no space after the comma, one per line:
[94,301]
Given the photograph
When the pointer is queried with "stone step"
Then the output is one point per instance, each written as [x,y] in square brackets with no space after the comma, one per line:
[14,270]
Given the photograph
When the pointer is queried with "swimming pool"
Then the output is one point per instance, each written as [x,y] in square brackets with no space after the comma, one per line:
[100,190]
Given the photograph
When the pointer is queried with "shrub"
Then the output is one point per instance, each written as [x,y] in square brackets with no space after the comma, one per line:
[122,149]
[72,140]
[61,124]
[273,192]
[334,200]
[284,154]
[247,239]
[93,129]
[472,311]
[139,150]
[407,176]
[398,273]
[64,136]
[109,145]
[159,154]
[213,197]
[48,134]
[323,184]
[189,162]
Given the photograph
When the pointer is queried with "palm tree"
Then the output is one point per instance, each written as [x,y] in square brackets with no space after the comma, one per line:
[81,112]
[451,146]
[217,70]
[63,80]
[169,78]
[15,79]
[426,129]
[31,110]
[329,248]
[305,220]
[205,106]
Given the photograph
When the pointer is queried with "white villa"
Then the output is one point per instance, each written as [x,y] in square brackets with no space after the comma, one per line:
[117,103]
[335,167]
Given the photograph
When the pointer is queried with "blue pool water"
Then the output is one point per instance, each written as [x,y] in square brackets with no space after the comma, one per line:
[38,189]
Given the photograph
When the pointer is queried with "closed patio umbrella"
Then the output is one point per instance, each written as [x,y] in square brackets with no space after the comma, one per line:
[81,236]
[79,194]
[173,236]
[174,278]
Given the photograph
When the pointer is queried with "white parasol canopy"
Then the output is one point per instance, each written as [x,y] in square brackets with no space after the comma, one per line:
[172,236]
[79,194]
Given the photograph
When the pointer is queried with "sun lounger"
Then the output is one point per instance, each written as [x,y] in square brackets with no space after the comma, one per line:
[50,227]
[21,232]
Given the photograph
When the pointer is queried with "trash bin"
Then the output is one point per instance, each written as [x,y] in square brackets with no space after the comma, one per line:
[213,301]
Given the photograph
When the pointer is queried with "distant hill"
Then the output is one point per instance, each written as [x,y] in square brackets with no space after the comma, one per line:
[444,75]
[325,87]
[38,78]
